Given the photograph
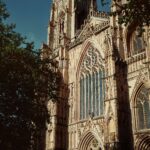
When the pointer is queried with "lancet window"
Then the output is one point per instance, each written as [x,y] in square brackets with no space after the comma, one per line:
[91,84]
[143,109]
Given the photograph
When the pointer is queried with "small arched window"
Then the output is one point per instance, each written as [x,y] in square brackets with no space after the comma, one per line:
[91,84]
[135,42]
[143,108]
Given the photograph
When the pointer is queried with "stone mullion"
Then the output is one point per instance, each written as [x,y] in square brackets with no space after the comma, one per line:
[90,106]
[87,94]
[98,105]
[91,110]
[103,89]
[85,97]
[100,92]
[95,112]
[84,101]
[81,98]
[93,80]
[94,93]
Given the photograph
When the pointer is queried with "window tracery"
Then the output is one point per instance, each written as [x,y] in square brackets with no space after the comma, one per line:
[91,84]
[143,109]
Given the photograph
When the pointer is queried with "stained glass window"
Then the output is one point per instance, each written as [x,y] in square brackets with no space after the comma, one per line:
[91,84]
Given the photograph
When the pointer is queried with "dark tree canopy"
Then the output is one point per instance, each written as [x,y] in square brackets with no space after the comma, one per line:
[26,83]
[137,11]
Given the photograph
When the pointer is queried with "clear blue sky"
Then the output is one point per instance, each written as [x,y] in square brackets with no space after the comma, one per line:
[31,18]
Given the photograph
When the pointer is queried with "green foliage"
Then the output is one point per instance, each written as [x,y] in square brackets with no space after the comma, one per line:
[3,12]
[26,83]
[136,11]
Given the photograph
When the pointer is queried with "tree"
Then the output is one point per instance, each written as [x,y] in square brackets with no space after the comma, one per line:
[133,11]
[26,83]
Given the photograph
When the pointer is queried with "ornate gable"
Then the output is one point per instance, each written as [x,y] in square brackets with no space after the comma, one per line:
[90,27]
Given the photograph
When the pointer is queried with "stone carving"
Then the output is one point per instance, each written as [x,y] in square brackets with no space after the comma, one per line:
[88,32]
[91,125]
[50,127]
[79,133]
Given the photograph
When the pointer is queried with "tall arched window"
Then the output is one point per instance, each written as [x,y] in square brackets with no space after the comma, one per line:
[91,84]
[143,109]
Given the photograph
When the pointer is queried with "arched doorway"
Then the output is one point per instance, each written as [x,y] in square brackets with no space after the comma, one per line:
[90,142]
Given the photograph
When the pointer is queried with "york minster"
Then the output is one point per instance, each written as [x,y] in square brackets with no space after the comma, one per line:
[104,97]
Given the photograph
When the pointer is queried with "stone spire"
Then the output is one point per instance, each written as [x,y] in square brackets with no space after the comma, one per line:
[83,9]
[91,8]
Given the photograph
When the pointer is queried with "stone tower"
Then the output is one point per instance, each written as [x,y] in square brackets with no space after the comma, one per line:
[105,71]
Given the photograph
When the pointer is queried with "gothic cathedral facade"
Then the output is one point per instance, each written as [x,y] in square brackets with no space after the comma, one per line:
[104,97]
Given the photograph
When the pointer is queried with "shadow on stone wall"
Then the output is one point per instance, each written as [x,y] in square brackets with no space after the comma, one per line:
[61,137]
[124,111]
